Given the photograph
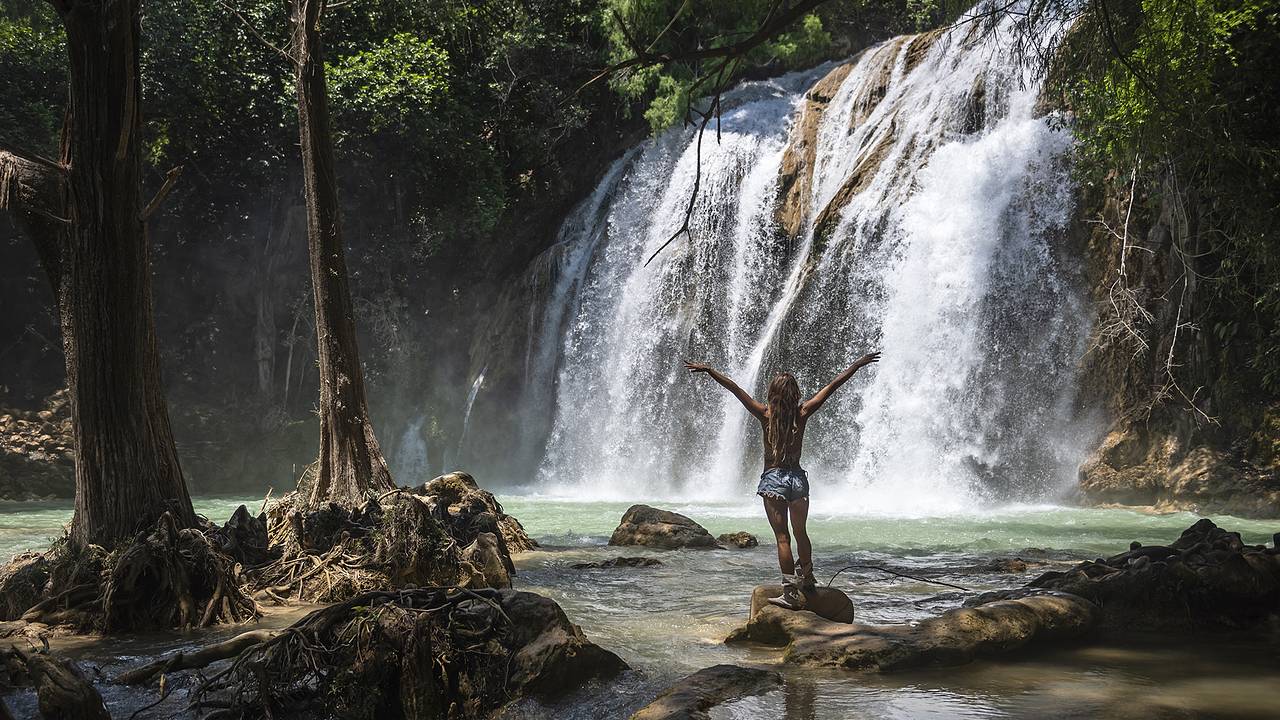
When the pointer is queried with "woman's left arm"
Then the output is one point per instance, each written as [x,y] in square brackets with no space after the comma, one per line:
[813,404]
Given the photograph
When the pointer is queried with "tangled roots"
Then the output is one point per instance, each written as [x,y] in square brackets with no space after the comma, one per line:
[403,539]
[421,653]
[173,578]
[167,577]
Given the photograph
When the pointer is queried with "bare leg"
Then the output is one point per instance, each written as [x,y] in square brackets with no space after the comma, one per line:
[799,511]
[776,510]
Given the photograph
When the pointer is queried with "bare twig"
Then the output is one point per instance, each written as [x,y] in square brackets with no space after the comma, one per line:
[254,31]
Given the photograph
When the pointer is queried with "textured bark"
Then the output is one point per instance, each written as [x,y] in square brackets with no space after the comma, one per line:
[31,189]
[350,467]
[127,471]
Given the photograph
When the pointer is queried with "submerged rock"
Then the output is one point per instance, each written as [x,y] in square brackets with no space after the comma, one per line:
[693,695]
[1008,565]
[826,602]
[740,540]
[1207,577]
[619,562]
[63,690]
[952,638]
[651,527]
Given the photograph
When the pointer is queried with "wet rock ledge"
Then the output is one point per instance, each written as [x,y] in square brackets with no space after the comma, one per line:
[1206,579]
[955,637]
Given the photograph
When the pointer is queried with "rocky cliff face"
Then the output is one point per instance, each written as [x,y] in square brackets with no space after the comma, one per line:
[1187,427]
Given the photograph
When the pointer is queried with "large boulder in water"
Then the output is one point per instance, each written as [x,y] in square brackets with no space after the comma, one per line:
[1207,578]
[651,527]
[952,638]
[693,695]
[825,602]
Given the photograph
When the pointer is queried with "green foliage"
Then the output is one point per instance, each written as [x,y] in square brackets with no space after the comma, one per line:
[1186,92]
[32,58]
[393,86]
[835,28]
[673,26]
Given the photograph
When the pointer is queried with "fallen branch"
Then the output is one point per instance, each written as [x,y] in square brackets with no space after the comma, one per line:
[201,658]
[895,572]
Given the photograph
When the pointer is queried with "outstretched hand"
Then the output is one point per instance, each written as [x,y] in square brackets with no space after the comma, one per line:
[694,367]
[868,359]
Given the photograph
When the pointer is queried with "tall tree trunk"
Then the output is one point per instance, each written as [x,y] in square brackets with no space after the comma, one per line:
[351,466]
[127,471]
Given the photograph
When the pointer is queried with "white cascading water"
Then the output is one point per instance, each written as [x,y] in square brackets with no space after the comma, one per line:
[945,256]
[466,410]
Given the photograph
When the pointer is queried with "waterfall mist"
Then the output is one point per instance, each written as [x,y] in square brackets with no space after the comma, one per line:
[933,212]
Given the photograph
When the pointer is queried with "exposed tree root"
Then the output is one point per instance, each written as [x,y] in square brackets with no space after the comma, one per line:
[446,532]
[471,510]
[63,692]
[201,658]
[420,653]
[168,577]
[173,578]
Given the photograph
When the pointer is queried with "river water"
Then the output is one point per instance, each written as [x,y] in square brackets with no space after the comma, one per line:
[670,620]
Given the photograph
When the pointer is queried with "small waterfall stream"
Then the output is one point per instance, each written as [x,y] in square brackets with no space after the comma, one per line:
[912,200]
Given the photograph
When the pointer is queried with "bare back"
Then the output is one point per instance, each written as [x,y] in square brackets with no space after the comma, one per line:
[790,456]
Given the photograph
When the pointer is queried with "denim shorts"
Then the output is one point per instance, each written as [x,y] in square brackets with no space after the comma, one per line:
[788,484]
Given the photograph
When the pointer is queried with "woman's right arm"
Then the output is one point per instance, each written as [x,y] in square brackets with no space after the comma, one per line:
[751,404]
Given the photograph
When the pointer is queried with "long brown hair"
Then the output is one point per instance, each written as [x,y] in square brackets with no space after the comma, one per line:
[784,412]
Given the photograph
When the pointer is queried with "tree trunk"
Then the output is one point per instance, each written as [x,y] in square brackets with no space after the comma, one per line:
[127,471]
[351,466]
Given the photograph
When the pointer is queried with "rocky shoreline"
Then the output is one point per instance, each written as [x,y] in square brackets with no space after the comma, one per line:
[37,460]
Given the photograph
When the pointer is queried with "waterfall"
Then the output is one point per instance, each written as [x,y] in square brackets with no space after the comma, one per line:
[912,200]
[466,410]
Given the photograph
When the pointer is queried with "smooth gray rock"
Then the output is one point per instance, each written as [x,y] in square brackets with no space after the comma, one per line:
[663,529]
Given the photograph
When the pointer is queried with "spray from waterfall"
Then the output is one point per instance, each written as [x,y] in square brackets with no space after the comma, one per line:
[410,459]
